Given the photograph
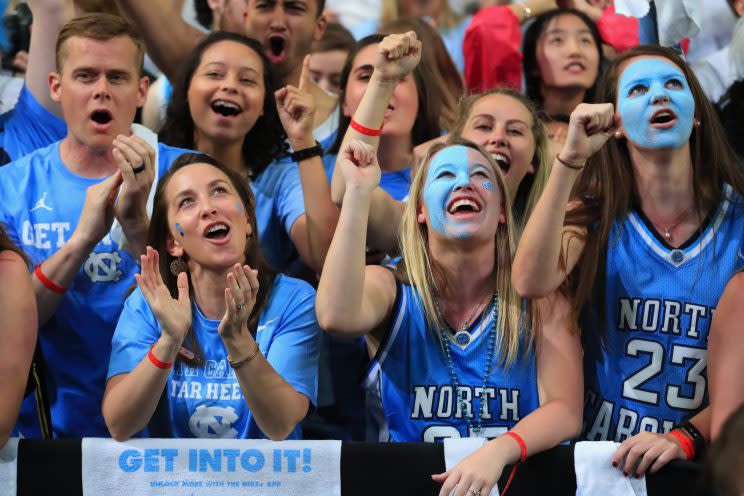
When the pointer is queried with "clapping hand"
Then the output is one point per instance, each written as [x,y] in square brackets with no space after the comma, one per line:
[240,297]
[174,315]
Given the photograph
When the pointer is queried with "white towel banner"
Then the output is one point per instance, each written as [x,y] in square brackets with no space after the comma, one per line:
[214,467]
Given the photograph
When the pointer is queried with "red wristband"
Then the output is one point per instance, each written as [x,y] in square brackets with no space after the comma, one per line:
[522,446]
[522,457]
[688,446]
[159,364]
[48,283]
[367,131]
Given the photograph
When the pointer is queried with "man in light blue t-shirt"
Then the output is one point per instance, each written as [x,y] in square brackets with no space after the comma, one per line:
[65,198]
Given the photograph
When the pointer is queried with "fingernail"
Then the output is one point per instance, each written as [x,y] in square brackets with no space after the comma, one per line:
[614,463]
[637,476]
[625,474]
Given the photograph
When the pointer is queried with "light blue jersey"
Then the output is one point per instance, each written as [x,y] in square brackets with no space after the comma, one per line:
[279,203]
[396,184]
[659,302]
[207,401]
[410,377]
[40,215]
[28,127]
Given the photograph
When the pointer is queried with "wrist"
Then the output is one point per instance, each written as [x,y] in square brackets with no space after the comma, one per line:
[239,344]
[302,142]
[167,347]
[383,80]
[81,242]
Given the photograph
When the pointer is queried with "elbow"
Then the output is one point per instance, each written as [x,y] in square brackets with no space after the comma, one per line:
[115,427]
[328,320]
[530,287]
[117,432]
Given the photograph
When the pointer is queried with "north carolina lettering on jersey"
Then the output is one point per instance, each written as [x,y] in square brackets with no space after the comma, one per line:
[664,316]
[439,402]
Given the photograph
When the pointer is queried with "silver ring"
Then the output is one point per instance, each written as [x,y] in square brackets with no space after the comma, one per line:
[240,306]
[474,492]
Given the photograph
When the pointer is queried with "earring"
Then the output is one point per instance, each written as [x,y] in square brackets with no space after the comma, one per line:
[697,123]
[618,135]
[177,266]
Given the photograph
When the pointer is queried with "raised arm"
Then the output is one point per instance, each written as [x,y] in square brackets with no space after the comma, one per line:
[169,39]
[49,16]
[312,232]
[397,55]
[536,271]
[354,299]
[560,384]
[726,355]
[18,335]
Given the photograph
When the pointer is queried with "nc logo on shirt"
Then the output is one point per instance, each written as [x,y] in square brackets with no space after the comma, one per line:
[213,422]
[102,267]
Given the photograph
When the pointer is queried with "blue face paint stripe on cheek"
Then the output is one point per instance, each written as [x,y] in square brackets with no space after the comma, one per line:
[488,185]
[178,228]
[239,207]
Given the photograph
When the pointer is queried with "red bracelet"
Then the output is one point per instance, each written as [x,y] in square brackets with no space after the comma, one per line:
[47,283]
[367,131]
[522,446]
[522,457]
[688,446]
[159,364]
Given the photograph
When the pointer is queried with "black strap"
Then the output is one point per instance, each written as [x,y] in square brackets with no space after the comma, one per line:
[313,151]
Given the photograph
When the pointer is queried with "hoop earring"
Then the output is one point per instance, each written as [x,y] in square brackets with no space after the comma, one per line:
[177,266]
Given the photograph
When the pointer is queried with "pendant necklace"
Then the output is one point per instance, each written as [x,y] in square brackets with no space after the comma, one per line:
[462,336]
[667,230]
[475,428]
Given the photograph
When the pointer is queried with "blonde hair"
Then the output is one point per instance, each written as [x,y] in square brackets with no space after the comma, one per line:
[391,11]
[531,187]
[516,325]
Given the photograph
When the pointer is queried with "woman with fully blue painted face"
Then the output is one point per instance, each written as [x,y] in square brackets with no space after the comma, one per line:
[651,235]
[455,351]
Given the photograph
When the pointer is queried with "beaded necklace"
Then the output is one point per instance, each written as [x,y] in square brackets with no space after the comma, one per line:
[477,428]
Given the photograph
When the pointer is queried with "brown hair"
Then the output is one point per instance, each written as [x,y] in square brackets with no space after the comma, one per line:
[532,185]
[336,37]
[102,27]
[435,55]
[606,190]
[159,234]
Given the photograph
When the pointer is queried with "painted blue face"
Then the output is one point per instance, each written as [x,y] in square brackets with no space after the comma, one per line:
[454,168]
[646,86]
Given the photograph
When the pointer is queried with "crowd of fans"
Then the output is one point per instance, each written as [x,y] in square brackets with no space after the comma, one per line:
[522,221]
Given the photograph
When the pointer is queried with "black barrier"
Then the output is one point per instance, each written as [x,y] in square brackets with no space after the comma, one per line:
[54,467]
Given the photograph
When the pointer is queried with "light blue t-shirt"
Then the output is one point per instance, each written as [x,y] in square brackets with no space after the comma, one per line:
[396,183]
[28,127]
[41,205]
[279,203]
[207,401]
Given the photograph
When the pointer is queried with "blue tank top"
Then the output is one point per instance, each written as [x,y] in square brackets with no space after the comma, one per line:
[410,377]
[649,372]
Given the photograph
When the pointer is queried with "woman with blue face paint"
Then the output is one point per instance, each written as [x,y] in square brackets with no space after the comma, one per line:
[455,351]
[211,328]
[651,235]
